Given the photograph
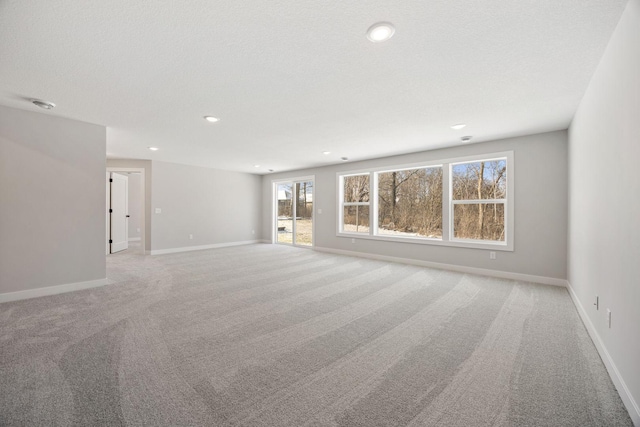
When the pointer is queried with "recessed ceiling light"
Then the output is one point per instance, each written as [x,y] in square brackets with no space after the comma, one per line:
[344,159]
[43,104]
[211,119]
[458,126]
[256,166]
[326,152]
[466,138]
[380,32]
[153,148]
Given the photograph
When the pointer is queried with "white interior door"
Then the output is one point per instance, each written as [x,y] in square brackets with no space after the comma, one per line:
[118,212]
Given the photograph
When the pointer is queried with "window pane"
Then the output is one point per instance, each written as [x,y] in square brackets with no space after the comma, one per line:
[356,219]
[481,221]
[356,188]
[285,230]
[480,180]
[410,203]
[304,213]
[285,209]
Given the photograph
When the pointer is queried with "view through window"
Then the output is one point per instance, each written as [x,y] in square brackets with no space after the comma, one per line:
[479,194]
[356,203]
[410,202]
[457,201]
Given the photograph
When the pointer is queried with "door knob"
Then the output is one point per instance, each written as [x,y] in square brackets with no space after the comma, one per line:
[127,216]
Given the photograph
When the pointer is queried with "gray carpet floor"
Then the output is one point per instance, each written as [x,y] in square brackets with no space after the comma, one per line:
[267,335]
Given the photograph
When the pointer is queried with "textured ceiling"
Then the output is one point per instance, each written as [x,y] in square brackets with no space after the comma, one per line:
[292,79]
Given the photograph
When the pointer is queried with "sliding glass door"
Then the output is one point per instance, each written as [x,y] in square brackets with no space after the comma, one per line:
[294,212]
[284,219]
[303,218]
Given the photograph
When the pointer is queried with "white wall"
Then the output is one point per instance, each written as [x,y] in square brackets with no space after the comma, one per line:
[135,205]
[215,206]
[540,208]
[604,214]
[52,194]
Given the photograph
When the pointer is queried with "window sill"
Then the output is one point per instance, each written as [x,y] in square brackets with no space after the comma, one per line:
[470,244]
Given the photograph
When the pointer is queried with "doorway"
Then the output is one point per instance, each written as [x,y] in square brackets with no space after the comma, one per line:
[130,224]
[293,200]
[118,212]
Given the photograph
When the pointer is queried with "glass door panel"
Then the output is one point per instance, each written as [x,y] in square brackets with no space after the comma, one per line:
[284,222]
[294,212]
[304,213]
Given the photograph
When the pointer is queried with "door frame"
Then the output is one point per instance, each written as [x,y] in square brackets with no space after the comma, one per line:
[143,202]
[115,207]
[274,209]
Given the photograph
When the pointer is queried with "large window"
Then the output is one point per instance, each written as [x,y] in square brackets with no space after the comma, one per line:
[456,202]
[355,203]
[479,194]
[410,202]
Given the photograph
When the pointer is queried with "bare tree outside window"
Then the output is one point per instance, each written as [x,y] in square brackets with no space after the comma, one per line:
[304,213]
[471,207]
[355,215]
[410,202]
[479,191]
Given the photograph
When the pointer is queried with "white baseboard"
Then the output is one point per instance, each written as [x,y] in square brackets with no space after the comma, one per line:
[459,268]
[202,247]
[51,290]
[133,239]
[621,386]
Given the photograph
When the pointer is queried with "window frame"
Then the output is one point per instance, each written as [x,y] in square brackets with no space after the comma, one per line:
[344,204]
[447,203]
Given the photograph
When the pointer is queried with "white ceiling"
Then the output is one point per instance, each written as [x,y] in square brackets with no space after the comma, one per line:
[290,79]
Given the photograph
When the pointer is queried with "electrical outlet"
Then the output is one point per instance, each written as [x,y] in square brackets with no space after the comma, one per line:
[353,240]
[320,211]
[609,317]
[492,255]
[190,236]
[597,302]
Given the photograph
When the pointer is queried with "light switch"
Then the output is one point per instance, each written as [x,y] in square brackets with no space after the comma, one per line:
[319,210]
[158,210]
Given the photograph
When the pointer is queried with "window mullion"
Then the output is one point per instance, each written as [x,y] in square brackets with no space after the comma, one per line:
[478,201]
[373,204]
[341,204]
[447,224]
